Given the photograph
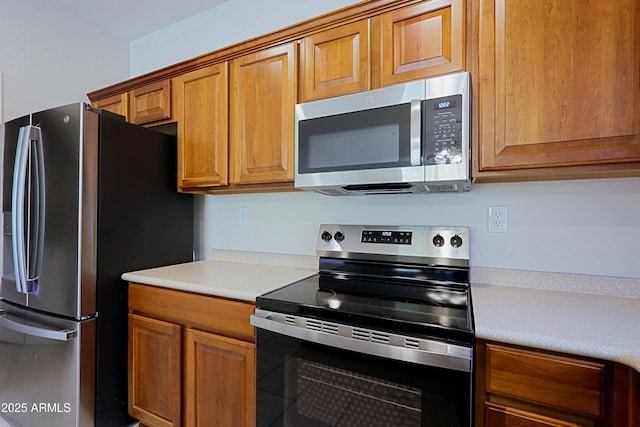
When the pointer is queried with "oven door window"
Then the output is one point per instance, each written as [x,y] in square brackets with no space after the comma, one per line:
[376,138]
[309,385]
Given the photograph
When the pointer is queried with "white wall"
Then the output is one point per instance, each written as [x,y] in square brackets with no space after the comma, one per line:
[229,23]
[49,57]
[586,226]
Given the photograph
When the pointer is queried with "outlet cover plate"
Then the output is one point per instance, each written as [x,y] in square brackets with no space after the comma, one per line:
[498,221]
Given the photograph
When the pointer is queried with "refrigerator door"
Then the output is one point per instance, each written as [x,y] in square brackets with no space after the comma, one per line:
[49,211]
[47,369]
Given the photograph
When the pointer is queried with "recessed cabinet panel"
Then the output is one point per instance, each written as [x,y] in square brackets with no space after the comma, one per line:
[116,104]
[262,104]
[335,61]
[561,382]
[219,378]
[501,416]
[558,83]
[422,40]
[202,114]
[155,360]
[150,103]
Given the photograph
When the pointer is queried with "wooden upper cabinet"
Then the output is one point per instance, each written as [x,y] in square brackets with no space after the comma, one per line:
[201,109]
[118,104]
[263,96]
[150,103]
[558,83]
[419,41]
[335,61]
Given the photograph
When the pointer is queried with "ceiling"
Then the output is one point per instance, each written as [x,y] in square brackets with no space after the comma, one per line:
[131,20]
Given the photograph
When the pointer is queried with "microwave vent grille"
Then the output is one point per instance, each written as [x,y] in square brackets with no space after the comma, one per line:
[445,188]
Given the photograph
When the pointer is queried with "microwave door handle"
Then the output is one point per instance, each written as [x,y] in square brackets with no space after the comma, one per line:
[17,209]
[37,331]
[416,132]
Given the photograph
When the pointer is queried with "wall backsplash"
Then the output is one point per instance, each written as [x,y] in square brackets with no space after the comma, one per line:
[587,227]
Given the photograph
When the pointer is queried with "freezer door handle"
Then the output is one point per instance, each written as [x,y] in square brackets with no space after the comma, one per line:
[37,331]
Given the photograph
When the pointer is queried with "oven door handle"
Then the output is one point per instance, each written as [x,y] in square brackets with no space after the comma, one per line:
[397,347]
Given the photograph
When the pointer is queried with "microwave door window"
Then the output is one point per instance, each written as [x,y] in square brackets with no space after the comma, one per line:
[370,146]
[369,139]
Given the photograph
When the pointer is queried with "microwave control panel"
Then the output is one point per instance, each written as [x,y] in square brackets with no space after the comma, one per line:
[442,127]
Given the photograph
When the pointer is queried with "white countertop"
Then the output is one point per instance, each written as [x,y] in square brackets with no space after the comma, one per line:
[605,327]
[237,280]
[600,326]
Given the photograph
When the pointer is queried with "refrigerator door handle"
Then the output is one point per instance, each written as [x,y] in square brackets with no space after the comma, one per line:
[37,331]
[28,175]
[17,208]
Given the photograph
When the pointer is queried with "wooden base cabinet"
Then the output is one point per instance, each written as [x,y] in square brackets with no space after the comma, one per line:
[219,380]
[155,364]
[523,387]
[191,359]
[502,416]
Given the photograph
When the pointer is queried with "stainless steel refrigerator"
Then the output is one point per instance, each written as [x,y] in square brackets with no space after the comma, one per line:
[86,197]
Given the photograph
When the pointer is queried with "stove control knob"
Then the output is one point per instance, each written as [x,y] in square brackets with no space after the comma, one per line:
[338,236]
[438,240]
[326,236]
[456,241]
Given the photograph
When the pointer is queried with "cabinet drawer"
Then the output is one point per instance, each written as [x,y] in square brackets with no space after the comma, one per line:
[501,416]
[561,382]
[219,315]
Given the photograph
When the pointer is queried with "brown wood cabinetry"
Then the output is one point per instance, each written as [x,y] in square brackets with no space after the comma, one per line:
[219,380]
[421,40]
[155,363]
[118,104]
[335,61]
[408,43]
[502,416]
[191,359]
[201,110]
[519,387]
[263,96]
[557,85]
[150,103]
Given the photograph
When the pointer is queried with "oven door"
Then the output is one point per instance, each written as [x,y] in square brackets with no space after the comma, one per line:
[301,382]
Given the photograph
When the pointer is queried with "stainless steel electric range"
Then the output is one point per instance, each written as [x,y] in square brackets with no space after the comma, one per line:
[381,336]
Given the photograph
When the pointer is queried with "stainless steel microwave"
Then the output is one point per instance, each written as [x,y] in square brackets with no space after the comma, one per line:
[407,138]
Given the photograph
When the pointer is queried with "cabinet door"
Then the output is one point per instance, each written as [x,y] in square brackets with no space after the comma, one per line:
[558,83]
[202,114]
[155,366]
[500,416]
[116,104]
[150,103]
[263,98]
[219,381]
[335,61]
[421,40]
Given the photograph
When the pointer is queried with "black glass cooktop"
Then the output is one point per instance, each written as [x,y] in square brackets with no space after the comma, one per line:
[432,308]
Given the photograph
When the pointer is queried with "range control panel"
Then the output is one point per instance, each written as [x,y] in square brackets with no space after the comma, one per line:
[429,243]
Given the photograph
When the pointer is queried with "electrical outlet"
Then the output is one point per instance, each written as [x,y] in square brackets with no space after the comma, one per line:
[243,216]
[498,219]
